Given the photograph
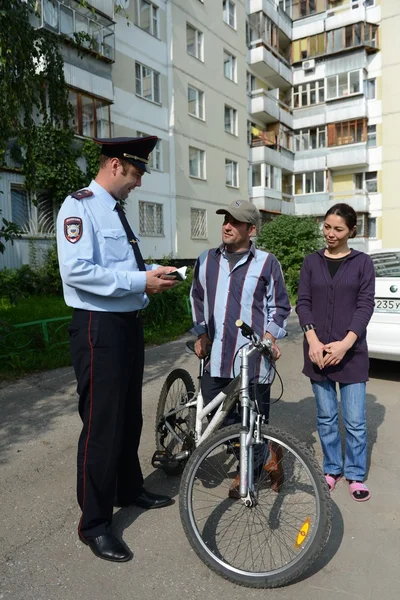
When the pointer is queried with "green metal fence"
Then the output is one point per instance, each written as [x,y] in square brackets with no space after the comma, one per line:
[34,336]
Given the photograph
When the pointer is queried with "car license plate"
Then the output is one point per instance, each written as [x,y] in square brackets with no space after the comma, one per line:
[387,305]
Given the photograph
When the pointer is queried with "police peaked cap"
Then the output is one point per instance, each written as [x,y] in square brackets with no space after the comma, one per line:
[134,150]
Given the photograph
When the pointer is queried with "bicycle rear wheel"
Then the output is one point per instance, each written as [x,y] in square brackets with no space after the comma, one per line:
[273,542]
[178,389]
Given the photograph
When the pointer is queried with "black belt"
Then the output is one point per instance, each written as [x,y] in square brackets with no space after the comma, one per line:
[134,313]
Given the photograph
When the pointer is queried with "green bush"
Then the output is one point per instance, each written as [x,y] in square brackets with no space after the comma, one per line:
[291,238]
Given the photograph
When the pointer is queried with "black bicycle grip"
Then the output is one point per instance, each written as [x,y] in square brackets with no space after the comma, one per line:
[245,329]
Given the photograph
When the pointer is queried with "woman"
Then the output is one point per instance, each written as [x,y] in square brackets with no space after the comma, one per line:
[335,303]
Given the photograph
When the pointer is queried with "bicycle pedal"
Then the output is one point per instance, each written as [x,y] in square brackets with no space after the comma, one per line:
[159,459]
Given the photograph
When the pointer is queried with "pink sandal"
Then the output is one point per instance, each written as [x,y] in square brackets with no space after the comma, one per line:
[332,480]
[355,488]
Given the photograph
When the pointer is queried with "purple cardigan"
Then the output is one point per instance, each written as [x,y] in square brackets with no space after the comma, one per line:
[335,306]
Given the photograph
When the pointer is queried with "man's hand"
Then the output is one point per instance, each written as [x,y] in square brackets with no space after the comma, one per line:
[202,346]
[335,352]
[276,353]
[154,282]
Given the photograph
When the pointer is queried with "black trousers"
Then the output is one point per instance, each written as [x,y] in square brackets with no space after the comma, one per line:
[107,352]
[212,386]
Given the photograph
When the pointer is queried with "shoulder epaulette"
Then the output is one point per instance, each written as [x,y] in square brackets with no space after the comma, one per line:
[80,194]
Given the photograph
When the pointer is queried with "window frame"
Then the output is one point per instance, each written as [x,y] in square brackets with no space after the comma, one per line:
[155,76]
[31,227]
[370,84]
[199,103]
[304,90]
[198,42]
[233,66]
[233,120]
[373,180]
[320,131]
[372,135]
[348,76]
[235,173]
[156,156]
[314,182]
[226,6]
[200,236]
[153,18]
[201,157]
[344,133]
[154,206]
[78,129]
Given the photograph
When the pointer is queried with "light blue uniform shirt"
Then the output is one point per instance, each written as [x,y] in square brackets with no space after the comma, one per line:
[98,270]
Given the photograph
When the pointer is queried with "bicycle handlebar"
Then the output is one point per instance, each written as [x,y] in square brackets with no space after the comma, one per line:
[261,345]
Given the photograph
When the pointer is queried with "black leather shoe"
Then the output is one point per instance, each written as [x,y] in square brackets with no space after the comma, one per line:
[107,547]
[149,500]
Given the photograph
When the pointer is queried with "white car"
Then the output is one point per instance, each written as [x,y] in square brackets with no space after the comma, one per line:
[383,333]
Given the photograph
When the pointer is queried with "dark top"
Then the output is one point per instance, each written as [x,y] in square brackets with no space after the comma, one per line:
[336,305]
[334,264]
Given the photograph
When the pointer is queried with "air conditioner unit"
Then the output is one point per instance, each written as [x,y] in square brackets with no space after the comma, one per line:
[308,65]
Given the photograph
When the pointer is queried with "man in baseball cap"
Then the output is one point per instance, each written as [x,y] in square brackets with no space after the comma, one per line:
[239,281]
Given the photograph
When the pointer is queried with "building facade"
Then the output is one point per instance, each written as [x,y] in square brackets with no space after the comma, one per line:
[291,103]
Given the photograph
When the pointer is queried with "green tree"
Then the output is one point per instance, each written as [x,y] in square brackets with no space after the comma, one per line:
[291,238]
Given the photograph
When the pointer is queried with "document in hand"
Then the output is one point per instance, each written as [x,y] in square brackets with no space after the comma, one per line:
[179,274]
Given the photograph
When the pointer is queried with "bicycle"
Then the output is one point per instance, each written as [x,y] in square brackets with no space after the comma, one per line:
[266,537]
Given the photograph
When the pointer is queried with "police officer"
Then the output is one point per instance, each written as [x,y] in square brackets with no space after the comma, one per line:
[107,283]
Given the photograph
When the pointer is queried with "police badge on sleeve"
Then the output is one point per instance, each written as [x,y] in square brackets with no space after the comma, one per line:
[73,229]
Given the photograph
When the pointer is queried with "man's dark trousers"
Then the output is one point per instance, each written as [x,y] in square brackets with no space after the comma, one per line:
[108,357]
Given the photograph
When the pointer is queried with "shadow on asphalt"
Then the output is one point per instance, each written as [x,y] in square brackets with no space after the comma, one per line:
[25,410]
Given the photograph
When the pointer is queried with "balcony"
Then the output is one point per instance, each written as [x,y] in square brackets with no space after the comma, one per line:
[351,155]
[263,200]
[351,12]
[269,109]
[266,149]
[358,199]
[346,108]
[270,65]
[273,12]
[92,31]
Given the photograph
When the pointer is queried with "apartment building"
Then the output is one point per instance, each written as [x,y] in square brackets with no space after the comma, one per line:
[292,103]
[315,103]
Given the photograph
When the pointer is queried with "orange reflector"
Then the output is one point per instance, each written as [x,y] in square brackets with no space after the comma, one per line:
[303,533]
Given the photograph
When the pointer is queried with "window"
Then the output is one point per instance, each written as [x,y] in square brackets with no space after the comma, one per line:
[372,227]
[350,36]
[229,66]
[308,47]
[32,212]
[368,3]
[308,94]
[273,178]
[256,175]
[229,10]
[196,102]
[370,89]
[231,173]
[347,132]
[310,139]
[344,84]
[198,223]
[194,42]
[147,17]
[250,83]
[309,183]
[91,116]
[230,120]
[371,136]
[371,182]
[304,8]
[147,83]
[151,220]
[155,158]
[197,166]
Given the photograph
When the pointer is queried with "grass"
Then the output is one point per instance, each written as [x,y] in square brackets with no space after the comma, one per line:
[37,308]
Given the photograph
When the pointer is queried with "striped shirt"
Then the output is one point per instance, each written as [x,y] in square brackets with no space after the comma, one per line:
[254,291]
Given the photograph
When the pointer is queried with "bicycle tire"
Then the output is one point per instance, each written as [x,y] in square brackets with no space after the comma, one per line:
[209,536]
[181,393]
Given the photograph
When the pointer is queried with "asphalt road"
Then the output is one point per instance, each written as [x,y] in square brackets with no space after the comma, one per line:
[42,559]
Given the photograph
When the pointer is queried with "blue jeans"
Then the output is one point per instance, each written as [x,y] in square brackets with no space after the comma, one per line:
[352,400]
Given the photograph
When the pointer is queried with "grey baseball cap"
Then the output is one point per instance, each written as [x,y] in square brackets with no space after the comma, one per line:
[242,211]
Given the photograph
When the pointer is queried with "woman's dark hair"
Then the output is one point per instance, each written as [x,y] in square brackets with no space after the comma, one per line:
[347,213]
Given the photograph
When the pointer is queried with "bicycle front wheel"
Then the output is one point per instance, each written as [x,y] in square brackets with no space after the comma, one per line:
[272,542]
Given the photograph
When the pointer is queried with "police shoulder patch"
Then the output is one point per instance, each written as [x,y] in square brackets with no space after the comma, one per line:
[80,194]
[73,229]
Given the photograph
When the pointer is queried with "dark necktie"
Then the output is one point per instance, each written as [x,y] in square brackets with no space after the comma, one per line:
[131,237]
